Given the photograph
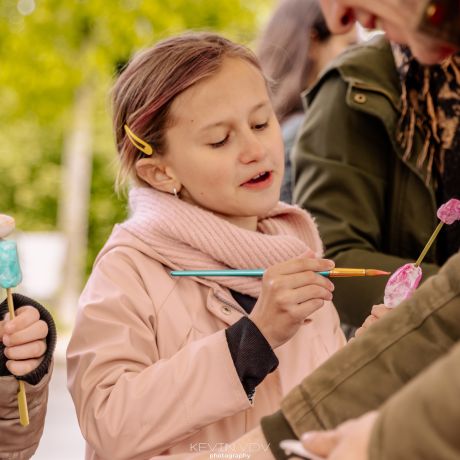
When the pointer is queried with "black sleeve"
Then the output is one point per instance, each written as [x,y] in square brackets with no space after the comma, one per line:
[252,355]
[36,375]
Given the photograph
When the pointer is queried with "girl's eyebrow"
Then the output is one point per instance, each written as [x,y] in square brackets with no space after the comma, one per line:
[258,106]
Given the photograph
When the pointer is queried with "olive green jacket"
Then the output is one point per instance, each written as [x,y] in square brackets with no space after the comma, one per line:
[373,208]
[407,364]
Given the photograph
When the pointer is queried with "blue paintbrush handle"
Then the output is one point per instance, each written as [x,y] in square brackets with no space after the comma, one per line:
[256,272]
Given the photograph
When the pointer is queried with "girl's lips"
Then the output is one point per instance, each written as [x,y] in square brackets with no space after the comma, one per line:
[262,181]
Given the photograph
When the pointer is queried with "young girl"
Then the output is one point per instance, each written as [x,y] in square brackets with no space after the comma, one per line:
[159,365]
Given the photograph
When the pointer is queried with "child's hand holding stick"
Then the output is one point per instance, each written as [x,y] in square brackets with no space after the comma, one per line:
[10,276]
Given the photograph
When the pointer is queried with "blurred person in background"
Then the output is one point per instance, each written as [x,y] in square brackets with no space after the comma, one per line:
[429,27]
[386,128]
[295,46]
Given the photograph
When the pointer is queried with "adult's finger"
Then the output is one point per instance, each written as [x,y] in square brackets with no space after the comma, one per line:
[320,442]
[379,311]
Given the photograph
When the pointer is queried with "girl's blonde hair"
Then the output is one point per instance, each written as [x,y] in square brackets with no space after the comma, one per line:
[144,91]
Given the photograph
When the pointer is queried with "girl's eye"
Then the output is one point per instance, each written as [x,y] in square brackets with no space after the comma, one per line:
[216,145]
[261,126]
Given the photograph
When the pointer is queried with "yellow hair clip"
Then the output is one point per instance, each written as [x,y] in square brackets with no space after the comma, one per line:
[138,142]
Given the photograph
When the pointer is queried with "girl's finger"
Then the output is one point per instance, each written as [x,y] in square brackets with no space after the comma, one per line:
[300,280]
[294,299]
[36,331]
[30,350]
[311,292]
[25,316]
[23,367]
[305,309]
[304,279]
[304,264]
[2,331]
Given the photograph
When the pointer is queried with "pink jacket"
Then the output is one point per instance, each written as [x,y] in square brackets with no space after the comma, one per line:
[149,368]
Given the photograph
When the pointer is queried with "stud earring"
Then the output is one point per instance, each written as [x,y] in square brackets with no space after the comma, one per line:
[175,192]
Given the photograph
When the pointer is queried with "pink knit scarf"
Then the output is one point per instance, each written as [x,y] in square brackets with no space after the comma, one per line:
[191,238]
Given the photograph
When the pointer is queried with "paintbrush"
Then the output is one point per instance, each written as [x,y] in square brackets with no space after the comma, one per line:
[334,273]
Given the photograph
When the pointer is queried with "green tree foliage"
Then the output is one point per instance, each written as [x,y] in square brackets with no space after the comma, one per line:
[51,48]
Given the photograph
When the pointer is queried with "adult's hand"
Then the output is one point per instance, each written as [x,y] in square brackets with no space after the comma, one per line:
[377,312]
[349,441]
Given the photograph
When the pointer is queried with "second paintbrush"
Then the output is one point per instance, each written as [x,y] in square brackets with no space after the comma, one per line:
[334,273]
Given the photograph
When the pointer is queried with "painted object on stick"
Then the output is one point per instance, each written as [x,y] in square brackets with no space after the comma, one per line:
[405,280]
[10,276]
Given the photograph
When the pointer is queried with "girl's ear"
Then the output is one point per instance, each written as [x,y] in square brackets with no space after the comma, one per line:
[157,174]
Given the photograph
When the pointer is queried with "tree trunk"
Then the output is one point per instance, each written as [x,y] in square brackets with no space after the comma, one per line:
[74,202]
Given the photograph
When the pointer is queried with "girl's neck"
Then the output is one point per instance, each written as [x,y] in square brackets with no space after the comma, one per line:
[245,222]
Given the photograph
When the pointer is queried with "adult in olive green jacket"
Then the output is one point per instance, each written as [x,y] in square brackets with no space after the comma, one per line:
[374,209]
[407,365]
[381,435]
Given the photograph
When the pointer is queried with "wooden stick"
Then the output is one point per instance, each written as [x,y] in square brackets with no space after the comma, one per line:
[428,245]
[22,397]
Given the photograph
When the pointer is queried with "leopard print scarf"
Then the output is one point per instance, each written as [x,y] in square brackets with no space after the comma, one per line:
[430,102]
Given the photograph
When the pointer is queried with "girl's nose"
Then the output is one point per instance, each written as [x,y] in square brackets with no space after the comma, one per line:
[252,149]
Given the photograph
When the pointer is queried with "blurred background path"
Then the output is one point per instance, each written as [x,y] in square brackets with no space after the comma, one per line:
[61,439]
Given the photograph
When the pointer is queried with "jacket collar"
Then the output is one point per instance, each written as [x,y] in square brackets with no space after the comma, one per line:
[361,67]
[369,69]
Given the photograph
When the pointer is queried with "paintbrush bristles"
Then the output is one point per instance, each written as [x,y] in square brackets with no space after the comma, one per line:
[374,272]
[348,272]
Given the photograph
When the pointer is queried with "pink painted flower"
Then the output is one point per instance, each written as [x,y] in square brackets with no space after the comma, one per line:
[402,283]
[449,212]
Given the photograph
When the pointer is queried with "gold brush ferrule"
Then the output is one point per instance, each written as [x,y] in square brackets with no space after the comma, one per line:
[345,272]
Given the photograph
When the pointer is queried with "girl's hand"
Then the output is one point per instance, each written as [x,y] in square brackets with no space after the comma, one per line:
[377,312]
[24,340]
[291,292]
